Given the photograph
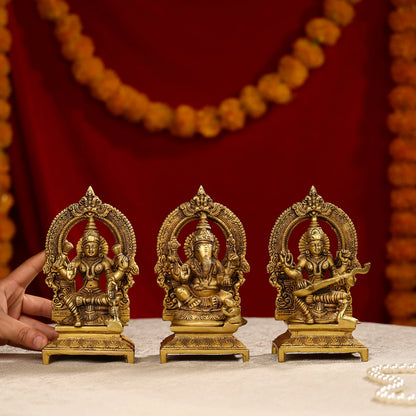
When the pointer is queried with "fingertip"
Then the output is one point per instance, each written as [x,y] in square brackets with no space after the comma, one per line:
[39,342]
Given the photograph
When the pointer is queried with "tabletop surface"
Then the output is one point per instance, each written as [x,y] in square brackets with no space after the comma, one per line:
[310,384]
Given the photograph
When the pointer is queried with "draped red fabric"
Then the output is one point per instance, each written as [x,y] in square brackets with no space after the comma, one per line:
[332,135]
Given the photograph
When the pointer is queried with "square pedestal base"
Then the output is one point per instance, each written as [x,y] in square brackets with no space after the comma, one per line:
[190,341]
[318,338]
[89,341]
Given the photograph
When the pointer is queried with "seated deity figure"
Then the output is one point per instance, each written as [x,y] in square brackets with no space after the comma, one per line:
[90,305]
[325,282]
[203,283]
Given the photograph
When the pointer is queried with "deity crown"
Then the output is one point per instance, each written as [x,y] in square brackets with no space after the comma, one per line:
[90,232]
[203,233]
[315,232]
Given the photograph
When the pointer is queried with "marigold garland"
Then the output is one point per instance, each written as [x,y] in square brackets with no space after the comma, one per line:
[7,227]
[403,199]
[231,114]
[401,249]
[402,149]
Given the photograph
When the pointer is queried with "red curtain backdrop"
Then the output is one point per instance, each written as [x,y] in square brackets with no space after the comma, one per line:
[332,135]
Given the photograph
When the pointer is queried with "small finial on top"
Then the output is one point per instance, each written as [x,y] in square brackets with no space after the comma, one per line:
[90,191]
[201,190]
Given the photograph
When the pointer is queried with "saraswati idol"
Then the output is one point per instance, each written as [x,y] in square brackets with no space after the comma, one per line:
[92,312]
[313,293]
[201,293]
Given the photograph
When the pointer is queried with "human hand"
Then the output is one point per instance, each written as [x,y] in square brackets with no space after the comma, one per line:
[16,326]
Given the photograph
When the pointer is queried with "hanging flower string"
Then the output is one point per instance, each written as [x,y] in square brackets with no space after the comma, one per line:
[7,227]
[184,121]
[401,248]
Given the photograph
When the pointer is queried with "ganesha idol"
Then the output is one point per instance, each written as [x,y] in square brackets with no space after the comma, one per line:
[201,293]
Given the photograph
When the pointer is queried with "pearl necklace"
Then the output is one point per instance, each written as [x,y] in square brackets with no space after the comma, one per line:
[391,392]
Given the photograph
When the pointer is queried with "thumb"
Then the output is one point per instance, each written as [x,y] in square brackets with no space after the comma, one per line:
[17,333]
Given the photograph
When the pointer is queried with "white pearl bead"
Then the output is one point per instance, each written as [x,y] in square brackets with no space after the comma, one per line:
[400,398]
[394,368]
[383,396]
[411,367]
[411,400]
[391,398]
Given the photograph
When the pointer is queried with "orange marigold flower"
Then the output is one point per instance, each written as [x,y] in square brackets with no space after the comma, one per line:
[403,198]
[402,123]
[401,249]
[402,19]
[5,87]
[232,114]
[309,53]
[5,110]
[402,174]
[339,11]
[323,31]
[138,105]
[401,304]
[6,134]
[6,202]
[273,89]
[208,122]
[5,182]
[403,71]
[128,102]
[403,45]
[80,47]
[403,97]
[7,228]
[402,276]
[4,65]
[403,224]
[87,70]
[292,71]
[6,252]
[184,122]
[401,149]
[68,27]
[52,9]
[252,101]
[102,88]
[4,16]
[159,116]
[119,101]
[5,40]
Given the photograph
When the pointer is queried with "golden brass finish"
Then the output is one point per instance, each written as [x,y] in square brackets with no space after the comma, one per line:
[201,294]
[89,319]
[313,295]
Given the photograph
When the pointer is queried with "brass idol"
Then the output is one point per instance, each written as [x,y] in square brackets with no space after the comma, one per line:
[201,294]
[313,294]
[90,319]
